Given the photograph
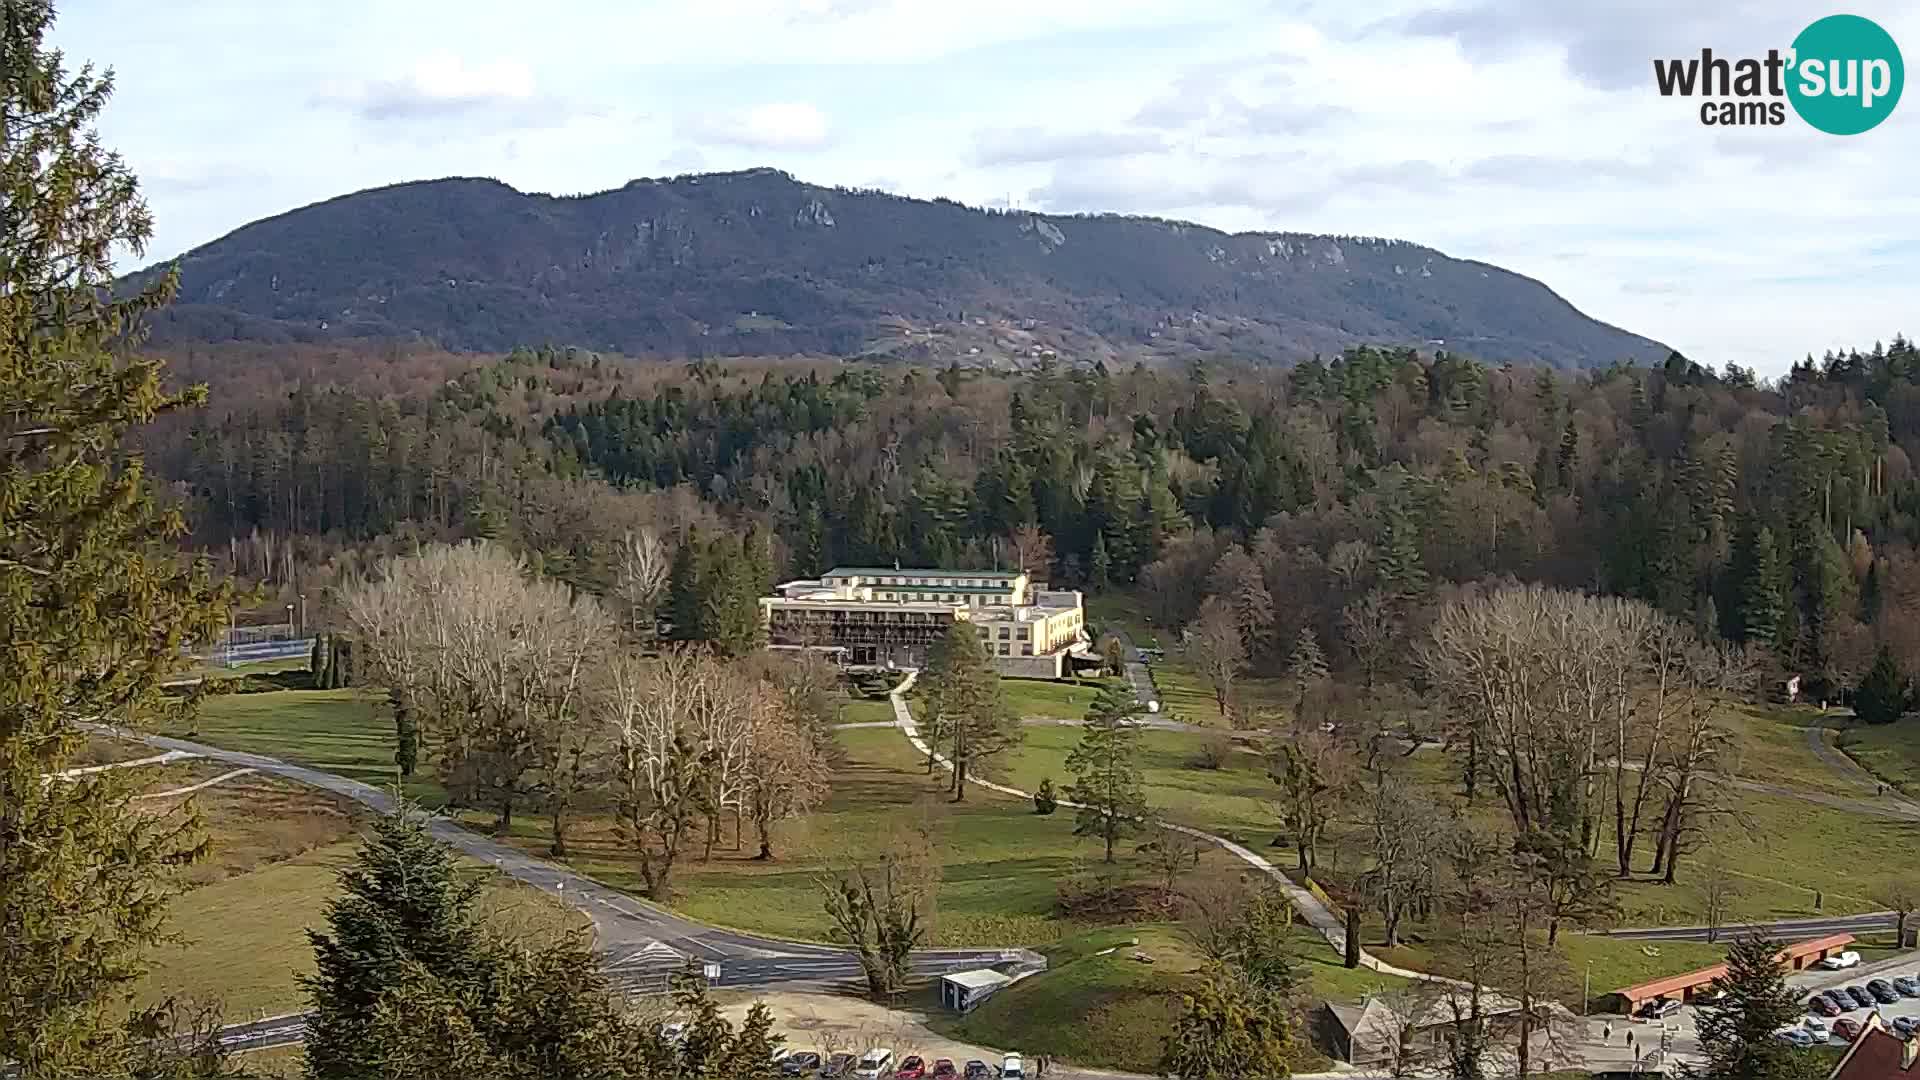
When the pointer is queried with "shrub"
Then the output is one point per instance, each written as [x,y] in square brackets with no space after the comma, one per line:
[1213,753]
[1044,800]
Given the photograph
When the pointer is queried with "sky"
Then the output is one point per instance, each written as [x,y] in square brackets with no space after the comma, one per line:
[1526,133]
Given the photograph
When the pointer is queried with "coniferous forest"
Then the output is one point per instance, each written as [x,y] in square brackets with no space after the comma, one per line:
[1777,513]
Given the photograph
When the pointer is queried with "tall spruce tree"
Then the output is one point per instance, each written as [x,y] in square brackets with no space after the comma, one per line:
[1737,1032]
[964,705]
[1106,770]
[95,602]
[686,603]
[1883,694]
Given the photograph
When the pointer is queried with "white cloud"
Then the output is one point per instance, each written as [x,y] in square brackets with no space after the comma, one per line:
[440,84]
[781,125]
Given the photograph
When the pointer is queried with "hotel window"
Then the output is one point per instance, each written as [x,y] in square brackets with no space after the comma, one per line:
[1026,650]
[1003,648]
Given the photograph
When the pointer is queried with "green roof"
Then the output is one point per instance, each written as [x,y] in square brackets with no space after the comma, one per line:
[908,571]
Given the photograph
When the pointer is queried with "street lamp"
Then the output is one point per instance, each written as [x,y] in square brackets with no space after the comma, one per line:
[289,616]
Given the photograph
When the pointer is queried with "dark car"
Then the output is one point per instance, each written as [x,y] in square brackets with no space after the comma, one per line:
[1846,1028]
[1820,1005]
[943,1070]
[1904,1026]
[838,1065]
[1907,985]
[977,1070]
[913,1068]
[1882,992]
[1658,1008]
[1860,996]
[800,1064]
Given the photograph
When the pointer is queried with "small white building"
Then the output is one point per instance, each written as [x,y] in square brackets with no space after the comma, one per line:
[963,990]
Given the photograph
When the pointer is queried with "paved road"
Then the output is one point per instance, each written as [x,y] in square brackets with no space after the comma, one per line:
[1788,929]
[641,944]
[1137,673]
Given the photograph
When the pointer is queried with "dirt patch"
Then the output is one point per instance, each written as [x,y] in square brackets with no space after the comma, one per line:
[842,1023]
[253,820]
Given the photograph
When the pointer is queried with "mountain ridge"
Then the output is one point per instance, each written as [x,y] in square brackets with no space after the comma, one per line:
[757,262]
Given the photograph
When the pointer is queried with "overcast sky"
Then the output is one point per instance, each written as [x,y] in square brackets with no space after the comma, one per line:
[1523,132]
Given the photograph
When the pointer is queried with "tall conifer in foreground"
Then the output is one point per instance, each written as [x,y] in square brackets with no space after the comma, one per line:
[95,604]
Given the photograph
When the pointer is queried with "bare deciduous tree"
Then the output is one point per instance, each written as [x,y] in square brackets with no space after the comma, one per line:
[1215,649]
[1371,627]
[881,904]
[640,578]
[1718,888]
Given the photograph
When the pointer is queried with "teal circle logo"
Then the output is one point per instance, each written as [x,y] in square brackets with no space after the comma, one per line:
[1846,75]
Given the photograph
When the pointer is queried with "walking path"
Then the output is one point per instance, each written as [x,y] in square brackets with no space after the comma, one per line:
[191,788]
[157,759]
[1317,914]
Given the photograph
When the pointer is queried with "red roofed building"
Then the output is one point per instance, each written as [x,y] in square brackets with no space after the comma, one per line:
[1795,957]
[1877,1054]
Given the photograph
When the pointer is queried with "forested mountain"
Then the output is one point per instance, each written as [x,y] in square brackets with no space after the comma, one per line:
[1781,515]
[757,263]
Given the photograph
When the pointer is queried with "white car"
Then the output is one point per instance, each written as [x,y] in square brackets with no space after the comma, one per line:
[1841,961]
[673,1033]
[1817,1028]
[1011,1068]
[874,1064]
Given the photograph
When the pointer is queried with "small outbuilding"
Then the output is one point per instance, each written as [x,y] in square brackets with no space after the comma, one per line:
[963,990]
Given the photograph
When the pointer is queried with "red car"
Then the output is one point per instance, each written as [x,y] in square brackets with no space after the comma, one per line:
[911,1069]
[943,1069]
[1821,1006]
[1846,1028]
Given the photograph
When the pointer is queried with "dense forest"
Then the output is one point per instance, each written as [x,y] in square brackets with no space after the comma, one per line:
[1783,514]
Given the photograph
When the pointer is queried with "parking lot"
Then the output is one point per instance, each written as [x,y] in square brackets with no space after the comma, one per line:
[1809,983]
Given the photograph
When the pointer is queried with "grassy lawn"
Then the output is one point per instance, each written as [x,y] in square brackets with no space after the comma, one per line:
[1238,797]
[1051,700]
[1114,1011]
[1773,749]
[244,938]
[1001,862]
[252,821]
[866,710]
[348,732]
[1888,751]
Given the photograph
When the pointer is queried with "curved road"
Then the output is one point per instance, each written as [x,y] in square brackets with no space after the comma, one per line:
[640,944]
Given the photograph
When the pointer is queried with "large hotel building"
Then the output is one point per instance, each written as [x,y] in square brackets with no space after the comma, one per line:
[880,617]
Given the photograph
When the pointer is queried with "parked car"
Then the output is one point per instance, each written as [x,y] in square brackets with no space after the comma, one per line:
[1860,996]
[673,1033]
[1841,961]
[977,1070]
[913,1068]
[1882,992]
[1838,996]
[1846,1028]
[874,1064]
[1658,1009]
[1907,985]
[837,1066]
[805,1063]
[1800,1037]
[1011,1068]
[780,1054]
[943,1070]
[1817,1028]
[1904,1026]
[1822,1005]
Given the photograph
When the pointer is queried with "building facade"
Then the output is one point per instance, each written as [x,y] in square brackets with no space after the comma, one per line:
[875,617]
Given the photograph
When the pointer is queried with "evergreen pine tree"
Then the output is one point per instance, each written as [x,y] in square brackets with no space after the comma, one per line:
[1763,601]
[95,601]
[1883,694]
[316,661]
[686,606]
[1306,667]
[1402,576]
[964,705]
[1569,454]
[1102,563]
[1737,1032]
[405,912]
[1106,769]
[406,733]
